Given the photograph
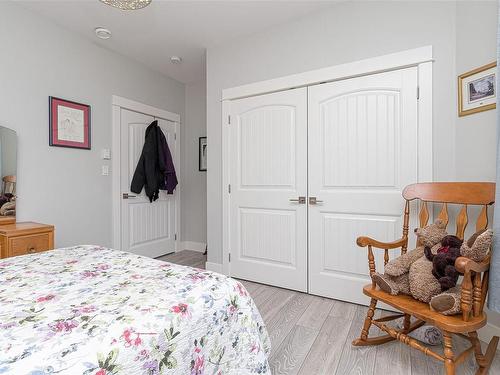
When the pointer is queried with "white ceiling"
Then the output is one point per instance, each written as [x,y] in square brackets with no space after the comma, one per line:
[165,28]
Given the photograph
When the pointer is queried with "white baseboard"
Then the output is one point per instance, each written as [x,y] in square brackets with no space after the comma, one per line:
[215,267]
[194,246]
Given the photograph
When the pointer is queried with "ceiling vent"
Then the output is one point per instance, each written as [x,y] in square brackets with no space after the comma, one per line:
[102,33]
[175,60]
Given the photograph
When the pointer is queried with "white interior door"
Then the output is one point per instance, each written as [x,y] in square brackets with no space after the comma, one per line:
[268,174]
[362,152]
[146,228]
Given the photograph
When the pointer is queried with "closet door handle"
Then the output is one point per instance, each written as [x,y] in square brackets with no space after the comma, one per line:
[299,200]
[314,200]
[128,196]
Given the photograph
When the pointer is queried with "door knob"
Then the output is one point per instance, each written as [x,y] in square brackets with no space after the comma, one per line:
[127,196]
[299,200]
[314,200]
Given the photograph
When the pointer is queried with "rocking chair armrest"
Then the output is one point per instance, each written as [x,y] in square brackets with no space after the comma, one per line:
[466,265]
[474,285]
[367,241]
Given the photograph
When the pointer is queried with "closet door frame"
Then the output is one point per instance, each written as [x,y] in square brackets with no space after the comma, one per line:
[422,58]
[119,103]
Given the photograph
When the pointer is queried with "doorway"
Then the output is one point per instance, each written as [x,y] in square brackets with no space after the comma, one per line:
[141,227]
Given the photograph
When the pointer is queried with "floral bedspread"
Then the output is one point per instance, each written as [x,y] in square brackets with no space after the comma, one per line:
[93,310]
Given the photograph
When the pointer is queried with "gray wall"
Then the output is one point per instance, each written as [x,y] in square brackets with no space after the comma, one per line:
[463,36]
[476,134]
[8,141]
[194,188]
[346,32]
[59,185]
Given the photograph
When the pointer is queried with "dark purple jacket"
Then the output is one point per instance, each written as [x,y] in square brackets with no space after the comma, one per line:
[155,169]
[168,168]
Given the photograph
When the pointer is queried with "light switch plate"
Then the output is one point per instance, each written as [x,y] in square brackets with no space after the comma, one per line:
[106,154]
[105,170]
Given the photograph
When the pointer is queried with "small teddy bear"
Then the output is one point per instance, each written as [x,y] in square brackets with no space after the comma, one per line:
[396,277]
[443,263]
[476,248]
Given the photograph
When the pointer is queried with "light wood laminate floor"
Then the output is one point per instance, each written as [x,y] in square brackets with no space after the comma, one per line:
[312,335]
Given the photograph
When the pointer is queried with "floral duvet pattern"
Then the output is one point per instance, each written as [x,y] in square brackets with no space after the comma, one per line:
[93,310]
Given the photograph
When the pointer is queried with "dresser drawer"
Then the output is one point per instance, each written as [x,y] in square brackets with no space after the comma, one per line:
[29,244]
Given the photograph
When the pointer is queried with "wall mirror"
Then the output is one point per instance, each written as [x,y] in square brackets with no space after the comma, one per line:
[8,174]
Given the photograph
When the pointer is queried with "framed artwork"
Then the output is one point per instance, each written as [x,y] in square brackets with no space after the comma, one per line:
[202,154]
[477,90]
[69,124]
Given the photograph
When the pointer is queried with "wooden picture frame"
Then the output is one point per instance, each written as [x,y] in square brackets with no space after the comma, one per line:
[477,90]
[69,124]
[202,154]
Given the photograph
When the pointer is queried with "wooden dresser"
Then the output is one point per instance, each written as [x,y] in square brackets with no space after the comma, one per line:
[25,238]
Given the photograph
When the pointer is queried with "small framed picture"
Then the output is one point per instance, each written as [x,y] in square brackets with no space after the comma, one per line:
[69,124]
[202,154]
[477,90]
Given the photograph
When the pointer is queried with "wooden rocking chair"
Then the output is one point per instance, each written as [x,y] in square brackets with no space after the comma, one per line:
[474,284]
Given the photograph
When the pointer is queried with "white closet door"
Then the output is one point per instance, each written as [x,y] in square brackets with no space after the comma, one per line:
[146,228]
[268,170]
[362,152]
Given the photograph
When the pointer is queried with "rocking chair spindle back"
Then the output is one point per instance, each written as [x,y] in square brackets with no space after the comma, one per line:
[474,285]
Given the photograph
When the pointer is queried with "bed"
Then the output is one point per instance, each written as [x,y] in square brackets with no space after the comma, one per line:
[94,310]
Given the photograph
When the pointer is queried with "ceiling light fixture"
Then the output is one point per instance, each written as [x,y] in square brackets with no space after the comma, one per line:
[102,33]
[127,4]
[175,60]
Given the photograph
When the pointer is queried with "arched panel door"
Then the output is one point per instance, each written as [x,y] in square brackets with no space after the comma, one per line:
[268,174]
[362,152]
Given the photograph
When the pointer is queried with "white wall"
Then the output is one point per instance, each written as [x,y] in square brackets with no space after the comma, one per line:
[346,32]
[194,188]
[476,134]
[64,186]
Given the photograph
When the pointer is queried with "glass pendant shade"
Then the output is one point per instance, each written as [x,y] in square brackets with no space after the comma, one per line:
[127,4]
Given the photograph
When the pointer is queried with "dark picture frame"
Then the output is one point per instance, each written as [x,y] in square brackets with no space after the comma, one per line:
[202,154]
[74,130]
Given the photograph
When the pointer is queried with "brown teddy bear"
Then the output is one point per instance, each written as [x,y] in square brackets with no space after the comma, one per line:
[476,248]
[443,263]
[408,274]
[423,284]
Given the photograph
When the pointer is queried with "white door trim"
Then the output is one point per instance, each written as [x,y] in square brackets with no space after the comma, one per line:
[117,104]
[226,223]
[144,108]
[379,64]
[419,57]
